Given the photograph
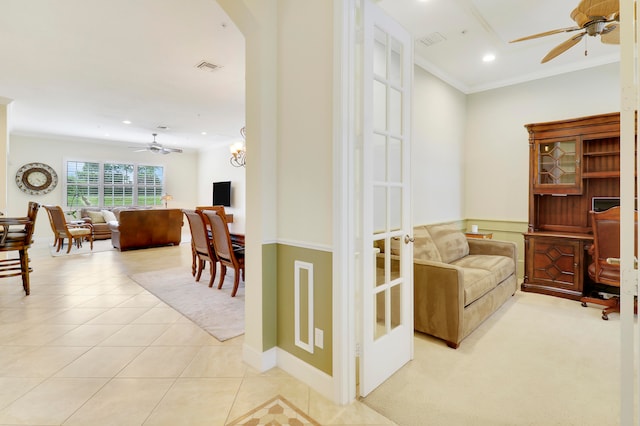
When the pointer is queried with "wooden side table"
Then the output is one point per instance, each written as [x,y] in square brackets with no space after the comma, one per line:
[481,235]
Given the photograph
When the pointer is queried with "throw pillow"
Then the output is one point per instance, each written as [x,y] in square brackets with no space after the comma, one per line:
[96,217]
[109,216]
[451,242]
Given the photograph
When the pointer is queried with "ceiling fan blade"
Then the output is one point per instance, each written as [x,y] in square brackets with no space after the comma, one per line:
[599,7]
[546,33]
[562,47]
[611,36]
[168,150]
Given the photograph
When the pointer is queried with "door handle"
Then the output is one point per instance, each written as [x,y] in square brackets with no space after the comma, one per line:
[408,239]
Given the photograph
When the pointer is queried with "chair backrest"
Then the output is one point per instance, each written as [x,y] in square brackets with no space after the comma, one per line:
[56,218]
[220,233]
[606,245]
[32,214]
[14,238]
[199,234]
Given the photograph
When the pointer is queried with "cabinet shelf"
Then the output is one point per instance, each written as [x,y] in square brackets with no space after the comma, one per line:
[600,175]
[600,153]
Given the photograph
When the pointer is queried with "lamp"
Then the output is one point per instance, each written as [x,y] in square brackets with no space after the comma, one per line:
[166,198]
[238,151]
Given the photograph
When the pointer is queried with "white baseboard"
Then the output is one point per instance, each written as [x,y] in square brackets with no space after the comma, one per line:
[261,361]
[318,380]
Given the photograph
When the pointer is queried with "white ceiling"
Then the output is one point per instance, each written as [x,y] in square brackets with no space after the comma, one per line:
[472,28]
[78,68]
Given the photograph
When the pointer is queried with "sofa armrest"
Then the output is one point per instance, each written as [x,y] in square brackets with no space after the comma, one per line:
[493,247]
[438,299]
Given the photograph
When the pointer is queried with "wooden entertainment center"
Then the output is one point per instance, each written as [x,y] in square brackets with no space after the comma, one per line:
[570,163]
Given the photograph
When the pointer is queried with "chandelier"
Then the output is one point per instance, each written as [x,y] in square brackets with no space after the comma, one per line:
[239,151]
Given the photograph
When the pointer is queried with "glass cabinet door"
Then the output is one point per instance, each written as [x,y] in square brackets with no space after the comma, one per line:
[557,167]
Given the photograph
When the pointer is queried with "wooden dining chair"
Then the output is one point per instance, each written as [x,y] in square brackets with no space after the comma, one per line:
[17,235]
[228,255]
[201,246]
[74,232]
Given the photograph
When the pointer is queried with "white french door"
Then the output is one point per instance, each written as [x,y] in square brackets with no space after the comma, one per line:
[386,275]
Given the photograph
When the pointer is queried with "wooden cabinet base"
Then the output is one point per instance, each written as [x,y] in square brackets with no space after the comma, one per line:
[551,291]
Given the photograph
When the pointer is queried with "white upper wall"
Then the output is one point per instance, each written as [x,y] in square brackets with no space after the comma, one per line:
[305,125]
[214,166]
[496,153]
[439,116]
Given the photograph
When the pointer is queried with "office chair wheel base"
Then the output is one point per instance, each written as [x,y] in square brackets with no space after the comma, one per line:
[584,304]
[605,317]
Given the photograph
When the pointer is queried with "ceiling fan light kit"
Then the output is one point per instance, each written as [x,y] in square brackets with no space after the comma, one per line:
[594,17]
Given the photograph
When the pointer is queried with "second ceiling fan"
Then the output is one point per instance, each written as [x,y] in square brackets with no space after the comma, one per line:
[157,148]
[593,17]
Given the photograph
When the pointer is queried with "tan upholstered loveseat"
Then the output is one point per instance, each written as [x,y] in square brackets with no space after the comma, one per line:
[459,282]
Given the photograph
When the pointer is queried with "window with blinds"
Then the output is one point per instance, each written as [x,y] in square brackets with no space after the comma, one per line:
[113,184]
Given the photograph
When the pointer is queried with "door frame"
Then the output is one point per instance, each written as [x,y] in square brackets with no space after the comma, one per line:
[346,145]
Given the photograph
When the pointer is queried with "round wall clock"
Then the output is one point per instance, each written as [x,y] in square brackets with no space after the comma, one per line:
[36,178]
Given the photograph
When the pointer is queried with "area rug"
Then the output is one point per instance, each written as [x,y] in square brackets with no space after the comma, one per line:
[98,246]
[276,412]
[214,310]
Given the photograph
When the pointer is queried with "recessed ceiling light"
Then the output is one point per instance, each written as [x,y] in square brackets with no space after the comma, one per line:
[489,57]
[126,121]
[203,133]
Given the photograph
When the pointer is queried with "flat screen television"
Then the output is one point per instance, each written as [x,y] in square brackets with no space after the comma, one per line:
[222,194]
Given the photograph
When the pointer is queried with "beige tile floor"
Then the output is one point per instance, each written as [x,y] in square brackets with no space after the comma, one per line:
[91,347]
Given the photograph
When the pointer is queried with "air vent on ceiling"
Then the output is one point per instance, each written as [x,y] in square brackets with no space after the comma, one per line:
[432,39]
[207,66]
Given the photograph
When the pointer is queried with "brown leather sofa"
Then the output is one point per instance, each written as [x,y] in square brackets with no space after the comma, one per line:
[146,228]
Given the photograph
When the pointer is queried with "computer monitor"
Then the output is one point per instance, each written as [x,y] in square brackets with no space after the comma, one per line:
[600,204]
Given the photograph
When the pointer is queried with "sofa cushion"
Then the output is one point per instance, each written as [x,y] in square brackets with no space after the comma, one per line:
[450,241]
[424,247]
[109,216]
[482,273]
[96,217]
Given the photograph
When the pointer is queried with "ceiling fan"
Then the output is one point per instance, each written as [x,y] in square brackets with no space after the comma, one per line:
[157,148]
[594,17]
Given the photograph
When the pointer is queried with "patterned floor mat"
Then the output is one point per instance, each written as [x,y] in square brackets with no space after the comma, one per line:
[275,412]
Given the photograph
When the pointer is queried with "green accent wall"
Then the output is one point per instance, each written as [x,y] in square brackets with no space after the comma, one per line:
[269,296]
[322,262]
